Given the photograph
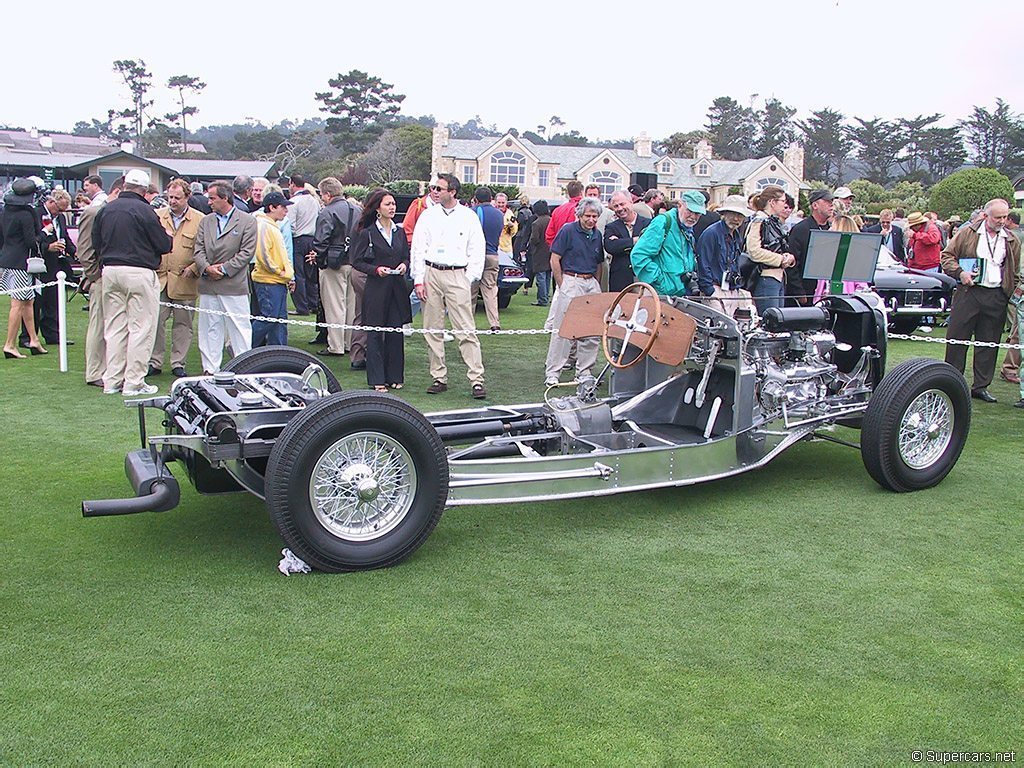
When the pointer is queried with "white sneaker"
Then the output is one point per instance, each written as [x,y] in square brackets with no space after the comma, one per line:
[449,336]
[407,330]
[145,389]
[550,382]
[111,390]
[924,328]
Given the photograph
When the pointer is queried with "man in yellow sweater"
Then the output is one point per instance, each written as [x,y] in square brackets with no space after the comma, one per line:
[272,273]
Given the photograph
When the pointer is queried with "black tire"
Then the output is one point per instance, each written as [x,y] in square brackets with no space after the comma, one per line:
[504,299]
[279,359]
[323,439]
[915,384]
[905,324]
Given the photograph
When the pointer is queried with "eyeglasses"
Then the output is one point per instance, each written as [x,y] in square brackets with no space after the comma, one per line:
[435,188]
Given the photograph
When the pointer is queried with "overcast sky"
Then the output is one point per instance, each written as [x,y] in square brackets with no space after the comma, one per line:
[601,67]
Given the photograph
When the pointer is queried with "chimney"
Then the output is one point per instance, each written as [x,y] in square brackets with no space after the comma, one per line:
[793,158]
[702,151]
[438,141]
[33,132]
[127,146]
[46,142]
[642,145]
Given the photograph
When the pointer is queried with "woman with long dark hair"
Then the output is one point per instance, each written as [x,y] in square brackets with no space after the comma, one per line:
[20,230]
[381,251]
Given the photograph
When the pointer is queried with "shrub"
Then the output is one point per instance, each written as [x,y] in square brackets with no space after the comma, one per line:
[467,190]
[358,191]
[967,190]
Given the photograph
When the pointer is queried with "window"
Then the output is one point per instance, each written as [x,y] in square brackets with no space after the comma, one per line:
[469,174]
[544,177]
[703,169]
[769,181]
[672,195]
[666,166]
[508,168]
[609,182]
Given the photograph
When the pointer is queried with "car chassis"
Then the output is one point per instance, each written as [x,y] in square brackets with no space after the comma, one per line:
[357,479]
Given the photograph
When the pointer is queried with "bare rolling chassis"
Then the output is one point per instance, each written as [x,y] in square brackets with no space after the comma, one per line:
[355,480]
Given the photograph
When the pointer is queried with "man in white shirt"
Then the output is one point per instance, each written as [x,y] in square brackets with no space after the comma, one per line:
[302,214]
[447,257]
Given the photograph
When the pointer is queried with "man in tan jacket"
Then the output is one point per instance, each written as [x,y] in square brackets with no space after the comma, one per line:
[985,258]
[92,284]
[178,279]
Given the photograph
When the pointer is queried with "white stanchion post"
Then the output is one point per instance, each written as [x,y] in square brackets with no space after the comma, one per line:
[62,320]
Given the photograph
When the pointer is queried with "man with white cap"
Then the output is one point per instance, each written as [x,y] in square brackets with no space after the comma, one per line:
[130,241]
[718,256]
[842,201]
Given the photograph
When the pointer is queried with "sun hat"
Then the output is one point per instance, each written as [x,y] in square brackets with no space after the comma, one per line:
[736,204]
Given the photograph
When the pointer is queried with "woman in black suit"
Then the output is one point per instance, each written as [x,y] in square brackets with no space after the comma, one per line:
[20,232]
[381,250]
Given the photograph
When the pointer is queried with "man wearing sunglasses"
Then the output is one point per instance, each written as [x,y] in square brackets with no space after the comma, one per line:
[447,258]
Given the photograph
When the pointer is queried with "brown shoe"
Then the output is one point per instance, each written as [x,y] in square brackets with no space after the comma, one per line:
[1010,377]
[437,387]
[479,393]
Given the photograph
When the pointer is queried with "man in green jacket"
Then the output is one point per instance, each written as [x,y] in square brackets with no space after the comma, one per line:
[665,256]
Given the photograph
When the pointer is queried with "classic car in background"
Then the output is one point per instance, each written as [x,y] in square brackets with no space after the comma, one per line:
[911,295]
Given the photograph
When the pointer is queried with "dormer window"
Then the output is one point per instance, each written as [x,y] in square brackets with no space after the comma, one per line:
[666,166]
[703,168]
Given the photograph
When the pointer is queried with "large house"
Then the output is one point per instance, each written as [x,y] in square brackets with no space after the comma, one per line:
[541,171]
[64,159]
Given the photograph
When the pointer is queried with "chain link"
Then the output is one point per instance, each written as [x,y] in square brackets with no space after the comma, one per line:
[32,287]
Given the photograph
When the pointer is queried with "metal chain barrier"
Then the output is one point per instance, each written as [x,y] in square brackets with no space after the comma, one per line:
[346,327]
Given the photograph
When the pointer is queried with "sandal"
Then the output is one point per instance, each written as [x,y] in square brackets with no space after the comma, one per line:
[399,385]
[380,388]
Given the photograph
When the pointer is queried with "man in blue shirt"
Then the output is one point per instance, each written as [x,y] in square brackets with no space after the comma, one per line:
[718,255]
[577,256]
[492,221]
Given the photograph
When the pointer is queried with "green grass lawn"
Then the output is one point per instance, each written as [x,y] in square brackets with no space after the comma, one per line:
[798,614]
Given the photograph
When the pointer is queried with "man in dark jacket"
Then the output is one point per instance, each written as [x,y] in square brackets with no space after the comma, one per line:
[334,230]
[892,236]
[798,290]
[56,247]
[130,241]
[619,237]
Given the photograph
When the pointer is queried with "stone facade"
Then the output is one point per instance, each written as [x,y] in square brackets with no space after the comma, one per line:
[541,171]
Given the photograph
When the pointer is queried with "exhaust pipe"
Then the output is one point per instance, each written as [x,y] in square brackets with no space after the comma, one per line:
[156,490]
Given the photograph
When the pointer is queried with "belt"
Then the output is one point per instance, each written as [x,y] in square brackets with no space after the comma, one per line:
[578,274]
[444,267]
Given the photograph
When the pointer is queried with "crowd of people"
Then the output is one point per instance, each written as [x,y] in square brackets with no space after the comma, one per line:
[233,252]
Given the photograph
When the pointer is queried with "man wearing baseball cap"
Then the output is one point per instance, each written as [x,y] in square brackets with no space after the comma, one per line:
[842,201]
[130,241]
[273,274]
[665,256]
[799,290]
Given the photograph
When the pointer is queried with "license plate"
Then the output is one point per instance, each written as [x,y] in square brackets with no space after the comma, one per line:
[913,298]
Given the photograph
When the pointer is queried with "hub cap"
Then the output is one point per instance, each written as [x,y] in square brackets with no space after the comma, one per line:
[362,486]
[926,429]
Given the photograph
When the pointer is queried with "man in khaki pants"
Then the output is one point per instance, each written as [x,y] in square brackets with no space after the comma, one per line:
[178,279]
[129,239]
[92,283]
[447,257]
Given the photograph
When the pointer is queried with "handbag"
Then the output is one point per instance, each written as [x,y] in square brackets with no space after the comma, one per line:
[36,265]
[750,271]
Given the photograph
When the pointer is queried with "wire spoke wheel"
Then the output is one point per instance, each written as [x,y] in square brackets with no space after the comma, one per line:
[915,425]
[363,486]
[926,429]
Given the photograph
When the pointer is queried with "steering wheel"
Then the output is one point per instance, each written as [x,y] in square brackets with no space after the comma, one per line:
[637,323]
